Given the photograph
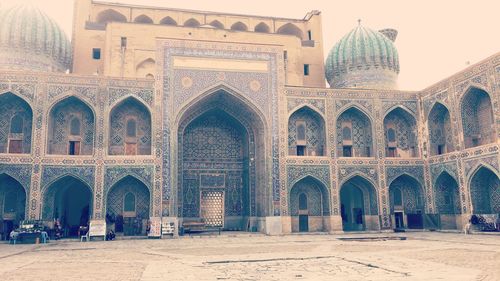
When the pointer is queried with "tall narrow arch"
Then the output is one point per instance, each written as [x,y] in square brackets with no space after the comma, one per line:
[217,24]
[440,132]
[309,204]
[16,119]
[447,200]
[306,133]
[359,141]
[110,15]
[143,19]
[400,131]
[168,21]
[407,204]
[192,23]
[12,201]
[359,205]
[60,139]
[291,29]
[145,67]
[119,141]
[262,28]
[239,26]
[222,129]
[484,187]
[478,122]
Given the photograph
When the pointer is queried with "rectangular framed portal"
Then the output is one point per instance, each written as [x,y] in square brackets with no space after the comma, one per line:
[212,207]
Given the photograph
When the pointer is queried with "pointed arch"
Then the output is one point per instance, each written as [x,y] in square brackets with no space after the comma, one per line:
[262,28]
[359,204]
[16,124]
[440,130]
[484,187]
[359,140]
[143,19]
[68,197]
[59,138]
[291,29]
[116,195]
[400,131]
[121,144]
[110,15]
[407,199]
[306,132]
[239,26]
[317,197]
[478,121]
[13,198]
[145,67]
[240,129]
[217,24]
[192,23]
[168,21]
[446,194]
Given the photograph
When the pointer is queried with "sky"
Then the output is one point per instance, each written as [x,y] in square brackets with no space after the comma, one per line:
[437,38]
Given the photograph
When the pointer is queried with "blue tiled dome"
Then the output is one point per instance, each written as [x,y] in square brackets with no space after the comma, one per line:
[363,58]
[30,40]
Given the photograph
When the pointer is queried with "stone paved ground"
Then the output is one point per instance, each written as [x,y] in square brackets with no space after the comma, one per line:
[423,256]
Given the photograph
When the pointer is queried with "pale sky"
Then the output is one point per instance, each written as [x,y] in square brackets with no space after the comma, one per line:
[436,37]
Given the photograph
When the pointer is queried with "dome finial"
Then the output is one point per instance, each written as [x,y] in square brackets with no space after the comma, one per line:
[359,21]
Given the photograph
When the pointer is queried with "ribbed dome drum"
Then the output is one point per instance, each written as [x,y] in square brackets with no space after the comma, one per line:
[364,58]
[30,40]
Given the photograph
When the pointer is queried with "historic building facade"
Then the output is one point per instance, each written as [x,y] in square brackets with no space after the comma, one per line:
[225,118]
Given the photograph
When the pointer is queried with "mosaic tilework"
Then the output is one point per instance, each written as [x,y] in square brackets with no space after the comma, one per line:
[11,106]
[116,196]
[361,132]
[314,131]
[317,199]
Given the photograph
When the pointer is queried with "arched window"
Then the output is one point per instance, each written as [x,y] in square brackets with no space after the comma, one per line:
[75,127]
[16,124]
[131,128]
[262,27]
[168,21]
[239,26]
[290,29]
[129,202]
[10,202]
[110,16]
[302,201]
[346,133]
[192,23]
[143,19]
[217,24]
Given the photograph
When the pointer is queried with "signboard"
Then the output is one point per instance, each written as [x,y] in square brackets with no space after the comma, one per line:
[155,227]
[97,228]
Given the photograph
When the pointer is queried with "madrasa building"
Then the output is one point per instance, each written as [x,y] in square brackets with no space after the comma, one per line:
[225,119]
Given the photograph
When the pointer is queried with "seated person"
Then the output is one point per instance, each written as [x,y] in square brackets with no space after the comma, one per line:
[110,236]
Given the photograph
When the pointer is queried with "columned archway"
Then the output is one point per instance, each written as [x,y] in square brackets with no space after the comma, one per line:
[128,207]
[68,200]
[447,198]
[440,133]
[12,204]
[221,162]
[359,208]
[407,203]
[309,206]
[484,188]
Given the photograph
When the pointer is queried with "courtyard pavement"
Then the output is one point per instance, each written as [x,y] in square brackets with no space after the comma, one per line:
[242,256]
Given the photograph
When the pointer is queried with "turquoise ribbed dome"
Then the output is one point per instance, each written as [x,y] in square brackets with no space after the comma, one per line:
[363,58]
[29,39]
